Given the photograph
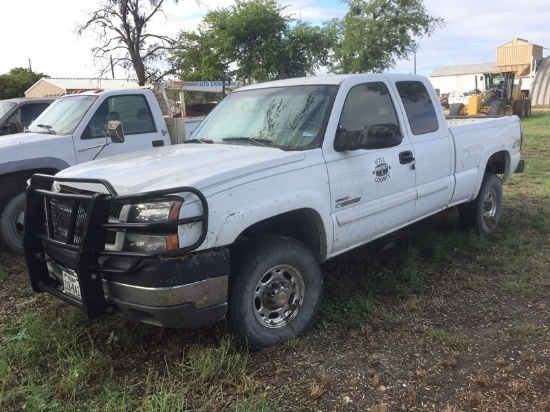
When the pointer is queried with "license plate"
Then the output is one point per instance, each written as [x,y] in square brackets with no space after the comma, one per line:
[70,284]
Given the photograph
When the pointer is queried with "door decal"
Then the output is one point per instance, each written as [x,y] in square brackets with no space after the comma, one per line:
[381,170]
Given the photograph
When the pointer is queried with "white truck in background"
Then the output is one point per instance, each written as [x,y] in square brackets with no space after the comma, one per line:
[280,177]
[73,130]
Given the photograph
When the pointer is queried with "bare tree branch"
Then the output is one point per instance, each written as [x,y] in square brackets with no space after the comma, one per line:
[121,29]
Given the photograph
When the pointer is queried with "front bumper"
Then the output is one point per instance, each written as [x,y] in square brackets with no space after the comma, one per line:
[186,292]
[182,288]
[521,166]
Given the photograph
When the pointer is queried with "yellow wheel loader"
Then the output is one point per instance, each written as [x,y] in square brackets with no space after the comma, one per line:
[500,98]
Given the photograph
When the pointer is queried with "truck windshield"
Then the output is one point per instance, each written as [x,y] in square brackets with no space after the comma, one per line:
[63,116]
[5,107]
[289,118]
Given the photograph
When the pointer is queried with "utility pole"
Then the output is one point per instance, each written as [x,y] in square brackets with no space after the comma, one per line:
[30,71]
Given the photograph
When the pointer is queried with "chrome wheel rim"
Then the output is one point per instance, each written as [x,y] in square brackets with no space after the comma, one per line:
[490,206]
[278,296]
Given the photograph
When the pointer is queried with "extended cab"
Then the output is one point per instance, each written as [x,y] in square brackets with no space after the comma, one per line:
[279,178]
[73,130]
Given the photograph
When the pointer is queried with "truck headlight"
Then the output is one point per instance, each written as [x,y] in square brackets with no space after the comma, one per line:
[152,212]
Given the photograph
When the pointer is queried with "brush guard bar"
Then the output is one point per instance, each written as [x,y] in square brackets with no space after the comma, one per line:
[83,246]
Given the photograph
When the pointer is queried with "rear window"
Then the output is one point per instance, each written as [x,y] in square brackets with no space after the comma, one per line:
[418,106]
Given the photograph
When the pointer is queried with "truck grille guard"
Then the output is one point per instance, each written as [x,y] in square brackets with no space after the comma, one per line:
[75,227]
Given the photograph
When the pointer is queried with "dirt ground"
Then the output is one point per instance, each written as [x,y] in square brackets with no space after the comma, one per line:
[452,348]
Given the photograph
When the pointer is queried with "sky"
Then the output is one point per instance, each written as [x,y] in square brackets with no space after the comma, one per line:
[41,33]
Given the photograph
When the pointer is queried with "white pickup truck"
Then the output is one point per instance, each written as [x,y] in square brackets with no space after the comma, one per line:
[283,176]
[73,131]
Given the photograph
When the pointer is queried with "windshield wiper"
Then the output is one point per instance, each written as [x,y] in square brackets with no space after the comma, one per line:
[257,141]
[198,141]
[47,127]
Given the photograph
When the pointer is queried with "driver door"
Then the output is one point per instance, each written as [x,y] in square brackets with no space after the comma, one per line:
[372,191]
[139,127]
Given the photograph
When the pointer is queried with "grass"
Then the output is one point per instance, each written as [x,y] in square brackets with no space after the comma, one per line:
[404,304]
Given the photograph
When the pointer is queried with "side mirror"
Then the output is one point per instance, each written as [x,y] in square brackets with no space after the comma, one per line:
[115,131]
[377,136]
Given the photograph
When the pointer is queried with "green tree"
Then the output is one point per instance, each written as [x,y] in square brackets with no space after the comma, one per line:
[251,39]
[199,56]
[304,49]
[374,33]
[17,81]
[121,28]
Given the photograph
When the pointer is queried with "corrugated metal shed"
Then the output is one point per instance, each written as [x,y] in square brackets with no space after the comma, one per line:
[540,88]
[60,86]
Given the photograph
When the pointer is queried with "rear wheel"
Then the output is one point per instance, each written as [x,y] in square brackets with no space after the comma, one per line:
[11,223]
[456,109]
[275,291]
[518,108]
[496,108]
[483,213]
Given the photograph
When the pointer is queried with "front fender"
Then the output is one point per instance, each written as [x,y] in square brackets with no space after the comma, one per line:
[236,209]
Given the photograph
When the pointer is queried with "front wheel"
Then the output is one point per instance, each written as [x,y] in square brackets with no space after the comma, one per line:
[456,109]
[483,213]
[497,108]
[275,291]
[11,223]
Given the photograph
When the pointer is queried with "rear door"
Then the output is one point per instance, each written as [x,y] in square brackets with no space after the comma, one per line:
[432,143]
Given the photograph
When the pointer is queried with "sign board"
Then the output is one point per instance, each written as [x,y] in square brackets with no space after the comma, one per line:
[202,86]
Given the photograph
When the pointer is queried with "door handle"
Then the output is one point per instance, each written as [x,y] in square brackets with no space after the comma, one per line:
[158,143]
[406,157]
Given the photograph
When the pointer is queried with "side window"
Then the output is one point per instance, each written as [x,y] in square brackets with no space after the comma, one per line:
[29,112]
[418,106]
[367,104]
[132,111]
[14,122]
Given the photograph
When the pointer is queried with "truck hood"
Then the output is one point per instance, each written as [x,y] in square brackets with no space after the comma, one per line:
[198,165]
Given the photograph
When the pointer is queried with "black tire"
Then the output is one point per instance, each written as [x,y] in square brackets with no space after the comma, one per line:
[483,213]
[456,109]
[276,286]
[518,108]
[496,108]
[524,108]
[11,223]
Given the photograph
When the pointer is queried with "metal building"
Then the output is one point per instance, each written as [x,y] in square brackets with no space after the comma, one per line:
[53,87]
[540,88]
[460,78]
[517,55]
